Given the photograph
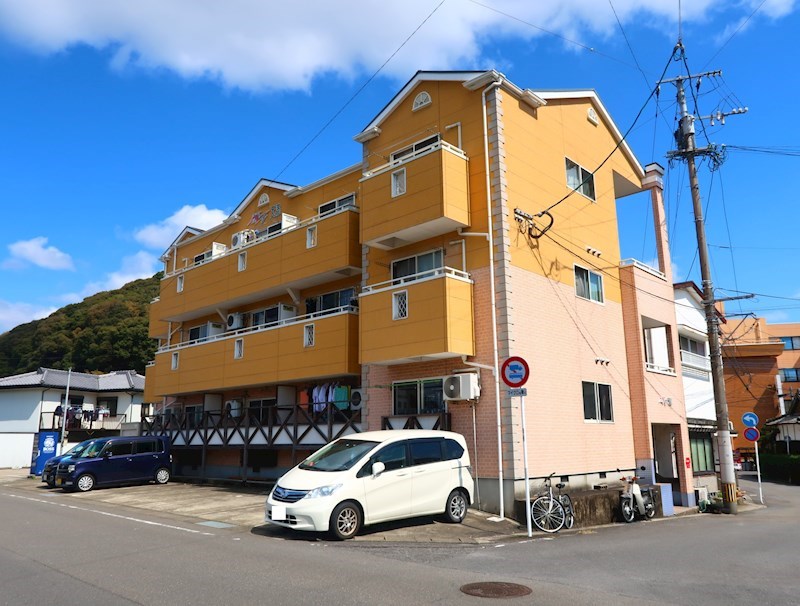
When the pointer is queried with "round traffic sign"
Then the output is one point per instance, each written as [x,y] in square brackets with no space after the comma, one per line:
[752,434]
[750,419]
[515,371]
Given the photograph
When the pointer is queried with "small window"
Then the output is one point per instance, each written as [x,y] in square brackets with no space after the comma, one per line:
[400,305]
[452,450]
[238,349]
[242,261]
[180,283]
[398,182]
[588,284]
[311,236]
[424,396]
[597,404]
[791,375]
[580,179]
[308,335]
[345,201]
[119,448]
[145,446]
[175,360]
[423,99]
[791,342]
[198,333]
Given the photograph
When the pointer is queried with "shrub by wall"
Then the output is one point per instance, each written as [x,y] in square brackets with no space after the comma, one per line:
[780,468]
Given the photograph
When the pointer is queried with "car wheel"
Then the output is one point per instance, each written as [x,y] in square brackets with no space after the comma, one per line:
[345,520]
[456,509]
[50,483]
[84,483]
[162,476]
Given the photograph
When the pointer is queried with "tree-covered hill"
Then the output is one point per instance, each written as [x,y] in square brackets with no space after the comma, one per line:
[102,333]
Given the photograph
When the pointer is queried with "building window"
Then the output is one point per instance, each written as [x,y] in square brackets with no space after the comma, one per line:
[238,349]
[344,202]
[597,402]
[202,257]
[419,266]
[330,302]
[698,348]
[179,283]
[194,415]
[423,396]
[260,409]
[702,453]
[308,335]
[311,236]
[580,179]
[423,99]
[414,149]
[400,305]
[792,375]
[198,333]
[588,285]
[791,342]
[242,261]
[109,404]
[175,360]
[398,182]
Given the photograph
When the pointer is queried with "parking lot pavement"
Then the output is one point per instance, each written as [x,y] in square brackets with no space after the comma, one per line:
[243,507]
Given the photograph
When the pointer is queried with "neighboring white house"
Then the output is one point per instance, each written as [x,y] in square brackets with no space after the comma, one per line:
[98,405]
[698,387]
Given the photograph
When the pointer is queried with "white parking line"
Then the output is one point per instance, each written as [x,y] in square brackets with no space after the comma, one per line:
[110,515]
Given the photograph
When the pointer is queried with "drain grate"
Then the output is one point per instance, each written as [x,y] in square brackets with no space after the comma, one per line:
[495,589]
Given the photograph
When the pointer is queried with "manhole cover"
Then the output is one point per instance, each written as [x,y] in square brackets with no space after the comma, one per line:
[495,590]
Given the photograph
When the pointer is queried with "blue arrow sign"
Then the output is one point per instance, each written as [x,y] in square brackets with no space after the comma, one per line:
[750,419]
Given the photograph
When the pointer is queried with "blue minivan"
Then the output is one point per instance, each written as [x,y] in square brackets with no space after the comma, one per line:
[116,460]
[50,466]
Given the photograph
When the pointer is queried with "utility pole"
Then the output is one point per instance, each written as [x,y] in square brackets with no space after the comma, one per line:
[687,150]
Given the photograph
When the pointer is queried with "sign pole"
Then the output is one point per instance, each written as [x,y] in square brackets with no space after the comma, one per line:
[527,477]
[758,472]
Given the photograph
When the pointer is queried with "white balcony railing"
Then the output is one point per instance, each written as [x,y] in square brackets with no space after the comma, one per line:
[664,370]
[695,361]
[414,155]
[646,268]
[429,274]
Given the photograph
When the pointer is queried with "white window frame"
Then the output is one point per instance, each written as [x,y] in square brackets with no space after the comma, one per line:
[589,273]
[175,360]
[598,412]
[415,147]
[238,349]
[399,183]
[311,236]
[180,283]
[585,180]
[343,202]
[202,334]
[309,335]
[242,260]
[416,258]
[396,305]
[423,99]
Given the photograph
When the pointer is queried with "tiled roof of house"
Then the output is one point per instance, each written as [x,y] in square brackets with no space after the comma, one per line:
[120,380]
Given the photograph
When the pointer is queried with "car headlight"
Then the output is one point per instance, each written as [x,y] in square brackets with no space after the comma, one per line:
[70,468]
[323,491]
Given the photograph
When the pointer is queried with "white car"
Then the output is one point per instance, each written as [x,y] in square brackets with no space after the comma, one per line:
[372,477]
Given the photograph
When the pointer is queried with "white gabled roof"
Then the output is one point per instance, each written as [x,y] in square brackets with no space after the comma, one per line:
[120,380]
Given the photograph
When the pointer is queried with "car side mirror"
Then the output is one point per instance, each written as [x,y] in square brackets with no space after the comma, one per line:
[106,454]
[378,468]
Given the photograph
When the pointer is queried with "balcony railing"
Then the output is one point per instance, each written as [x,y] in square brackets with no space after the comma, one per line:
[51,421]
[664,370]
[695,361]
[419,276]
[646,268]
[294,425]
[353,309]
[439,420]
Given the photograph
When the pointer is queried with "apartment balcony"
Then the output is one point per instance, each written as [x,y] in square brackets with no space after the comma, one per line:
[695,361]
[417,197]
[425,316]
[313,252]
[319,345]
[285,426]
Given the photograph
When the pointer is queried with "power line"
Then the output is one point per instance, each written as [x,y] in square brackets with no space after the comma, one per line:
[738,29]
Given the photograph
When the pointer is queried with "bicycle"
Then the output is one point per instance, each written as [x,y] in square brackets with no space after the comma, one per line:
[566,503]
[547,512]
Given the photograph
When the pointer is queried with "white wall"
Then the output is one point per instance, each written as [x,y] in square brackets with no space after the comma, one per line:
[698,388]
[16,450]
[19,411]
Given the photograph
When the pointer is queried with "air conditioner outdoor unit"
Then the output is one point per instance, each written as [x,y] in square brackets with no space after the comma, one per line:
[241,238]
[462,387]
[701,494]
[235,321]
[356,399]
[217,249]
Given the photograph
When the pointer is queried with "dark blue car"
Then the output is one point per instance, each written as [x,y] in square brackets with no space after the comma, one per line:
[49,470]
[116,460]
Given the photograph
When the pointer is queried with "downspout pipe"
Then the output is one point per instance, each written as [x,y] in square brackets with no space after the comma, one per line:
[490,237]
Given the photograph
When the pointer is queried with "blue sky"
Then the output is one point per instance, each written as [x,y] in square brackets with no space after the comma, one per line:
[122,123]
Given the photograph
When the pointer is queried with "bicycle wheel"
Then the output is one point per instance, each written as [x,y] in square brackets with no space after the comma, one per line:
[547,514]
[626,506]
[569,512]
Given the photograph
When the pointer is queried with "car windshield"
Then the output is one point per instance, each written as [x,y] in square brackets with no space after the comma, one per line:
[76,450]
[91,450]
[338,456]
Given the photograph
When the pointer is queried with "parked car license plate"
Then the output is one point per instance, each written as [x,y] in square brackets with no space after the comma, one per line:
[278,513]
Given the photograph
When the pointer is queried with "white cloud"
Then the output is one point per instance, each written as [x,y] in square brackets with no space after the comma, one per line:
[161,235]
[14,314]
[256,45]
[35,251]
[134,267]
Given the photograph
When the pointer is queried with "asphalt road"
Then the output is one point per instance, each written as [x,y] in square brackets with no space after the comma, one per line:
[57,549]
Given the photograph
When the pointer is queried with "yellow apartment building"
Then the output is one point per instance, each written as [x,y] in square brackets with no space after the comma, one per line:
[480,223]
